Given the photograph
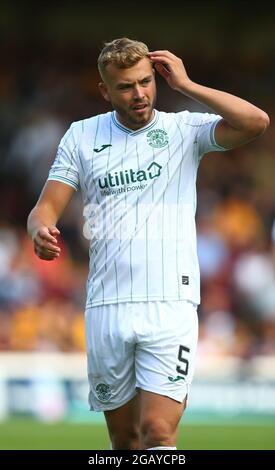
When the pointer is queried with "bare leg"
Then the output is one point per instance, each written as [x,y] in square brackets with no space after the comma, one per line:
[159,419]
[123,425]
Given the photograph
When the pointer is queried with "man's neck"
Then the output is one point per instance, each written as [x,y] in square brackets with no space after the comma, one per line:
[131,126]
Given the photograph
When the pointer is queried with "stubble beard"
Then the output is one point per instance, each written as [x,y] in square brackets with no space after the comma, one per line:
[130,119]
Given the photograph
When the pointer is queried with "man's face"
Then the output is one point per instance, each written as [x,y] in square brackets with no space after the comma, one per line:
[132,92]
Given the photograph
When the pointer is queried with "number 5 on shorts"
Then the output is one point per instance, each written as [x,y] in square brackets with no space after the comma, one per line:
[183,360]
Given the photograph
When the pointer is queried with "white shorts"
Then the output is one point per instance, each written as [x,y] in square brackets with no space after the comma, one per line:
[140,345]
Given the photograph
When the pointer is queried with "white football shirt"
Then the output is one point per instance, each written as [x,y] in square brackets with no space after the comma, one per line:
[139,195]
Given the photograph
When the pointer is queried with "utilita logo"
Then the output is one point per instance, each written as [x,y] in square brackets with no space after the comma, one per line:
[121,178]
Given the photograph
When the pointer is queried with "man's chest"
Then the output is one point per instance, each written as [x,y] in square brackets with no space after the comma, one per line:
[129,164]
[122,160]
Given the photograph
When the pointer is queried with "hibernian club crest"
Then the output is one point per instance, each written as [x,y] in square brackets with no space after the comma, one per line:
[157,138]
[103,392]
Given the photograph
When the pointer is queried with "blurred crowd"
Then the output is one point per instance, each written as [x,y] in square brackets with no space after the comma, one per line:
[42,303]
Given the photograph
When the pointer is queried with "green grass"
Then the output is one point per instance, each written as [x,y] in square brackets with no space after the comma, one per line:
[29,434]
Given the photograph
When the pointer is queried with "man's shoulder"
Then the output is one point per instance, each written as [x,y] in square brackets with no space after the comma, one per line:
[198,119]
[189,118]
[91,122]
[180,117]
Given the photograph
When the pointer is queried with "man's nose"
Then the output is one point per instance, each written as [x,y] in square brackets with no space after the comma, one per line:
[138,92]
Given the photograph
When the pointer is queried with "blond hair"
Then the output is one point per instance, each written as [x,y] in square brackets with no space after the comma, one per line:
[123,53]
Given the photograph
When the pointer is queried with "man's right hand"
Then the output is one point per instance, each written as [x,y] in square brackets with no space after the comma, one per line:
[45,243]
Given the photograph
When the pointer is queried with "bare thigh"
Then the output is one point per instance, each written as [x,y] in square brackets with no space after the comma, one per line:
[147,420]
[159,419]
[123,425]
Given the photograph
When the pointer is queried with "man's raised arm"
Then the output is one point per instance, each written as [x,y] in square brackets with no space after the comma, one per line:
[242,121]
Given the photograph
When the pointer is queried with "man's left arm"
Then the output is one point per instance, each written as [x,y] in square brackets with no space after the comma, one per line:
[242,121]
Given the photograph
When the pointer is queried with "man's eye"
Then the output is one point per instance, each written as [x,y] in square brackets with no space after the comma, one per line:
[124,87]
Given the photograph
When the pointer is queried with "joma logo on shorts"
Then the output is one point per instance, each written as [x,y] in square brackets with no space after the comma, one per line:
[175,379]
[130,176]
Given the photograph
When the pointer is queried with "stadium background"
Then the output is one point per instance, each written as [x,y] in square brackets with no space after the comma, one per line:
[48,79]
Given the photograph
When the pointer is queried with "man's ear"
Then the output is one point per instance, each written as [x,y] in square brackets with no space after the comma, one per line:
[103,90]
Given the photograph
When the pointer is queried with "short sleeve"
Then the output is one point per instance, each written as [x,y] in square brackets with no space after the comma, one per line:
[65,167]
[205,136]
